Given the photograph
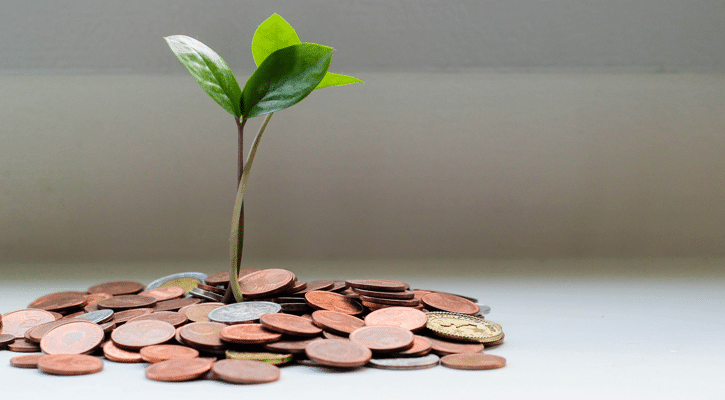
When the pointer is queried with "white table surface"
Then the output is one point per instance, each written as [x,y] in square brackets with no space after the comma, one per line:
[586,336]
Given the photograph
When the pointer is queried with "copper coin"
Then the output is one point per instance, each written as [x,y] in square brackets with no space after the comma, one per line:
[333,302]
[135,335]
[403,317]
[390,302]
[204,335]
[70,364]
[289,324]
[163,352]
[315,285]
[114,353]
[330,335]
[383,338]
[56,315]
[81,337]
[108,327]
[199,312]
[36,334]
[266,282]
[378,306]
[380,285]
[245,371]
[174,318]
[90,307]
[338,286]
[97,296]
[122,317]
[219,278]
[178,370]
[59,301]
[421,347]
[444,347]
[17,322]
[336,322]
[449,302]
[164,293]
[6,339]
[248,334]
[126,301]
[289,346]
[29,361]
[117,288]
[22,345]
[473,361]
[406,295]
[299,285]
[211,289]
[173,305]
[338,353]
[73,315]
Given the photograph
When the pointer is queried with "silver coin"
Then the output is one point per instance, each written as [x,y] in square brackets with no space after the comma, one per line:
[246,311]
[194,275]
[484,309]
[205,294]
[98,317]
[429,361]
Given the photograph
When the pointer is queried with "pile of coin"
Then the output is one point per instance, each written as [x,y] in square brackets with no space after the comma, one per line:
[180,326]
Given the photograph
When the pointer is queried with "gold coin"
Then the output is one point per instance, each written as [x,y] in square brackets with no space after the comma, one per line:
[185,283]
[463,327]
[269,358]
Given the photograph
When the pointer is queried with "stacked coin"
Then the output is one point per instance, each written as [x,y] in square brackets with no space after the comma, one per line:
[179,326]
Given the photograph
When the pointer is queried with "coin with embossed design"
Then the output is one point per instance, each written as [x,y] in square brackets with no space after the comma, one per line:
[80,337]
[184,280]
[17,322]
[463,327]
[337,322]
[139,334]
[247,311]
[340,353]
[70,364]
[266,282]
[178,370]
[408,363]
[117,288]
[403,317]
[248,334]
[331,301]
[245,371]
[449,302]
[383,338]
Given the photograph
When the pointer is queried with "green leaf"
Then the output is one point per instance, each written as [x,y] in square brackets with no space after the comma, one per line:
[332,79]
[273,34]
[210,70]
[284,78]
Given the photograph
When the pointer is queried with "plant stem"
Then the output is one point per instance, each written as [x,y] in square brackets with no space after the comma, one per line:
[237,235]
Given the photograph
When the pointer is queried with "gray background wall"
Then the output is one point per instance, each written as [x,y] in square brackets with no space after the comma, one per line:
[484,129]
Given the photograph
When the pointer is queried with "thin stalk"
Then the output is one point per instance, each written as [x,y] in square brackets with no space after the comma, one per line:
[237,236]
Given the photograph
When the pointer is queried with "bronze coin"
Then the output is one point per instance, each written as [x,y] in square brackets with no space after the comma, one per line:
[421,347]
[289,346]
[378,306]
[164,293]
[174,318]
[81,337]
[163,352]
[173,305]
[333,302]
[199,312]
[178,370]
[91,297]
[336,322]
[449,302]
[380,285]
[406,295]
[338,286]
[402,317]
[445,347]
[17,322]
[59,301]
[473,361]
[108,327]
[22,345]
[245,371]
[203,335]
[126,302]
[116,354]
[289,324]
[383,338]
[6,339]
[248,334]
[122,317]
[299,285]
[314,285]
[29,361]
[117,288]
[36,334]
[70,364]
[266,282]
[135,335]
[340,353]
[330,335]
[56,315]
[390,302]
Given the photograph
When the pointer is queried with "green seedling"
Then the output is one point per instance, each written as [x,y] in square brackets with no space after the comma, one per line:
[287,72]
